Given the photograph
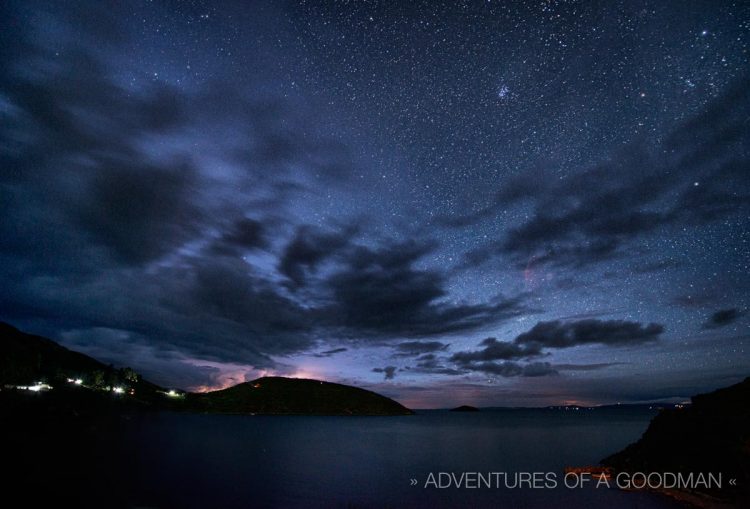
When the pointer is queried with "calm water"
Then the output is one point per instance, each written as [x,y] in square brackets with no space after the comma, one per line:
[197,461]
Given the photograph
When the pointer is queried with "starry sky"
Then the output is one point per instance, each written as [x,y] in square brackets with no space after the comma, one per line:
[488,203]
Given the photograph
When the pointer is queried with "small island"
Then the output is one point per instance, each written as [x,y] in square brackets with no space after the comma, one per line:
[465,408]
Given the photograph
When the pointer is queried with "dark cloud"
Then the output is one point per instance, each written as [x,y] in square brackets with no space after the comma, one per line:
[103,165]
[329,353]
[723,318]
[389,372]
[228,291]
[220,212]
[72,160]
[432,364]
[497,350]
[139,212]
[220,308]
[244,234]
[367,292]
[112,195]
[697,177]
[539,369]
[553,335]
[308,248]
[514,191]
[557,334]
[415,348]
[380,291]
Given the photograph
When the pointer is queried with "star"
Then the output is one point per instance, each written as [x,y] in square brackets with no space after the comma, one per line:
[423,154]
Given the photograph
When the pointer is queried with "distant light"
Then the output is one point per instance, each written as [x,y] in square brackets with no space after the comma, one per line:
[39,386]
[78,381]
[118,390]
[172,393]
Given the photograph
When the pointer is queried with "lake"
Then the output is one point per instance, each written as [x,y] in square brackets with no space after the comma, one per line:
[227,461]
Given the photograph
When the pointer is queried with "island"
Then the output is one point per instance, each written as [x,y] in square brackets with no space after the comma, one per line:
[710,435]
[465,408]
[37,374]
[275,395]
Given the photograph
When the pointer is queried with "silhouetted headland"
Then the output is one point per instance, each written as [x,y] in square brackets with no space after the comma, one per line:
[711,435]
[37,372]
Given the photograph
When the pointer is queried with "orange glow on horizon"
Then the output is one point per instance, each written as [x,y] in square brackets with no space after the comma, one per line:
[232,374]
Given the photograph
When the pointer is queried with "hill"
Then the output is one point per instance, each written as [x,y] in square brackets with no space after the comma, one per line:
[27,359]
[84,384]
[292,396]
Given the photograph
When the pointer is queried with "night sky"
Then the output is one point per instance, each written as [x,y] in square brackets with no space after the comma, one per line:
[486,203]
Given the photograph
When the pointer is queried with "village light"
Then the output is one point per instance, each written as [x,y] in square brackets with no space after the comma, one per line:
[38,386]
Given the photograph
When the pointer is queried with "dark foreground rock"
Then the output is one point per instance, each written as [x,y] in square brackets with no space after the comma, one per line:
[711,435]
